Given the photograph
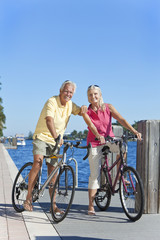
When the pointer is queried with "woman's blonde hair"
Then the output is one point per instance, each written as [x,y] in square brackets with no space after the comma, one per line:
[101,102]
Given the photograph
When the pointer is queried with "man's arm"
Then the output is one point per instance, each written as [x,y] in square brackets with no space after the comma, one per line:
[52,129]
[51,126]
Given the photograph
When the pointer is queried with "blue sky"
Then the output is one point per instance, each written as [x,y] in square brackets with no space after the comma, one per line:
[112,43]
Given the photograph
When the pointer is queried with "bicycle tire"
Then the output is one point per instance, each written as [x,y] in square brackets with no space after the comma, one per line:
[103,195]
[63,193]
[132,200]
[20,187]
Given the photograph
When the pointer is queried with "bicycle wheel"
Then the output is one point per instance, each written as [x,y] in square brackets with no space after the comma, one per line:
[20,187]
[103,195]
[63,193]
[131,193]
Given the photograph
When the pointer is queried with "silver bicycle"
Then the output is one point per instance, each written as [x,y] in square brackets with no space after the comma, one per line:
[63,189]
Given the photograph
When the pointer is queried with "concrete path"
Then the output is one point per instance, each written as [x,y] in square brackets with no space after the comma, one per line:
[38,225]
[19,226]
[108,225]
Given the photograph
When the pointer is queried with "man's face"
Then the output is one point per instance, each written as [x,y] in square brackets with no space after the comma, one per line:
[66,94]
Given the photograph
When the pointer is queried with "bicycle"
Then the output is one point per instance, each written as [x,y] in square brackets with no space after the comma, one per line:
[63,189]
[130,184]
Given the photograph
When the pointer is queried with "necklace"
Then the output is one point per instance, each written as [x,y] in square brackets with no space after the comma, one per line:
[95,108]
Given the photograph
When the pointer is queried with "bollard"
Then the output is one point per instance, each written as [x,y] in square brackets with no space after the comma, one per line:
[14,141]
[148,163]
[118,132]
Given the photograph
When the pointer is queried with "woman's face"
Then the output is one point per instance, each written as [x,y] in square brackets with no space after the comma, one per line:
[93,96]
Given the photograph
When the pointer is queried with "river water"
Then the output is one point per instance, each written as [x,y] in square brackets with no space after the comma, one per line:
[23,154]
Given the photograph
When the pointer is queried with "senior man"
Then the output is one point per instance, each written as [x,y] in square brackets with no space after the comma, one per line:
[53,121]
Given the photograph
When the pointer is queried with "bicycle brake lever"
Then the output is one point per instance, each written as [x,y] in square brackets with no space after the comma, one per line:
[57,140]
[77,144]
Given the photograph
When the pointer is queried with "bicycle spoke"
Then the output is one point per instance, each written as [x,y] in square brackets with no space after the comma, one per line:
[20,187]
[63,193]
[103,195]
[131,193]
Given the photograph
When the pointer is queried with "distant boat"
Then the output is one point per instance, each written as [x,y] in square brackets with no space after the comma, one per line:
[20,140]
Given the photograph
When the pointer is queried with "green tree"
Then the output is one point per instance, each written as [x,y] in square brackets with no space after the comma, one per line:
[124,129]
[30,135]
[134,125]
[2,117]
[74,134]
[85,132]
[80,134]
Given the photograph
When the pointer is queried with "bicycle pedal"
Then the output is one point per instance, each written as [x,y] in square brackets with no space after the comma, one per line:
[117,190]
[99,199]
[51,185]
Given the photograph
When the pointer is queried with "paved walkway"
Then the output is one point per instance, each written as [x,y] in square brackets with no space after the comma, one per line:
[38,225]
[20,226]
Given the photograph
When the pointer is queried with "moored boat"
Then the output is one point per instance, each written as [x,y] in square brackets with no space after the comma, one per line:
[20,140]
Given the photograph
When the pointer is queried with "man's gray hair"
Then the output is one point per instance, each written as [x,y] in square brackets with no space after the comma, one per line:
[68,82]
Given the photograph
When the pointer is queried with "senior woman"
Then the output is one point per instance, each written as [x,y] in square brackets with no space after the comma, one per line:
[99,121]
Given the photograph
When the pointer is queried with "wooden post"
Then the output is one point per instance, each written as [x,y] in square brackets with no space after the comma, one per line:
[14,141]
[148,163]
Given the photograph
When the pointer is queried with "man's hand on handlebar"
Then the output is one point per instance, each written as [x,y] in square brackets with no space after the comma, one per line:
[59,140]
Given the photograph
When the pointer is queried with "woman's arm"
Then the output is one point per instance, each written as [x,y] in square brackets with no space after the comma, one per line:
[115,114]
[93,128]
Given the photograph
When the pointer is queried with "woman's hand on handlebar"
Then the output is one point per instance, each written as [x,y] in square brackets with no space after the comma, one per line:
[101,139]
[139,136]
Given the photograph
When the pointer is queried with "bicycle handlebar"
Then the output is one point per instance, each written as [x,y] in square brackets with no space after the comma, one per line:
[69,144]
[109,139]
[57,140]
[118,139]
[85,147]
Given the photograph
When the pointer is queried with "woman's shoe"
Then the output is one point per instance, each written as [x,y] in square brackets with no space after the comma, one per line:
[91,213]
[28,205]
[127,182]
[57,211]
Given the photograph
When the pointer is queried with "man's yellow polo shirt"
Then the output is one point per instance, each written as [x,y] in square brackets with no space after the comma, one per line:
[59,113]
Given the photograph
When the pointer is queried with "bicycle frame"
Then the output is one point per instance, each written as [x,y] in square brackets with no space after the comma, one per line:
[109,169]
[112,184]
[43,187]
[49,178]
[63,184]
[60,163]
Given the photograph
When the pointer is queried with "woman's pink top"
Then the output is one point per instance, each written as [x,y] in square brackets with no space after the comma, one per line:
[102,121]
